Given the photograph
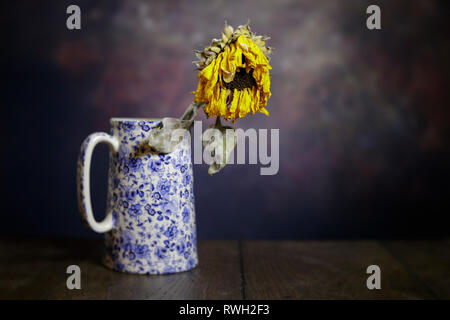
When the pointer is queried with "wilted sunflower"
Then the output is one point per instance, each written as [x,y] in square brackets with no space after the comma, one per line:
[234,74]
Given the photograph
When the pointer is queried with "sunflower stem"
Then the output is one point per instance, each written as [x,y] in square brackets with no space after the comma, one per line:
[218,124]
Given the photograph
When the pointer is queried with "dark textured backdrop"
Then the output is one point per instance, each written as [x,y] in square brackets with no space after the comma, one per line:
[363,115]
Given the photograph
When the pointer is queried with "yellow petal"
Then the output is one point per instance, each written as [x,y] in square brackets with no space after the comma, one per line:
[243,104]
[263,110]
[254,101]
[207,72]
[223,102]
[235,102]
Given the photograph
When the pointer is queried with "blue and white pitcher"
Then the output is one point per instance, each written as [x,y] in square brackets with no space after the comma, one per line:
[150,221]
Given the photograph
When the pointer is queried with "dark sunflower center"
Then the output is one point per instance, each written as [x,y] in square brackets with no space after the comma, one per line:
[242,80]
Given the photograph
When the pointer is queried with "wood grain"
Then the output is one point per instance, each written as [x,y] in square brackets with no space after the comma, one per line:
[36,269]
[323,270]
[428,261]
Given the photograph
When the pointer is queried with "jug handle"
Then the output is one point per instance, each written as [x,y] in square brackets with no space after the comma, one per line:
[83,180]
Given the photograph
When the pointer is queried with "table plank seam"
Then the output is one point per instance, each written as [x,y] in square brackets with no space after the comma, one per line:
[413,275]
[241,267]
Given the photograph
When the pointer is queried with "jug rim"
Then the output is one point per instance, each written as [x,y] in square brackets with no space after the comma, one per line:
[129,119]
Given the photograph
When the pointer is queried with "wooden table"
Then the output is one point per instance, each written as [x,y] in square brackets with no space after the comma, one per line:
[36,269]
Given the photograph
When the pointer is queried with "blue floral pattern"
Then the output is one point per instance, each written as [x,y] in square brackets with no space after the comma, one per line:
[151,199]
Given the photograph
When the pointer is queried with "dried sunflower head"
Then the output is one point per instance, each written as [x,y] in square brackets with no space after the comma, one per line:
[234,74]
